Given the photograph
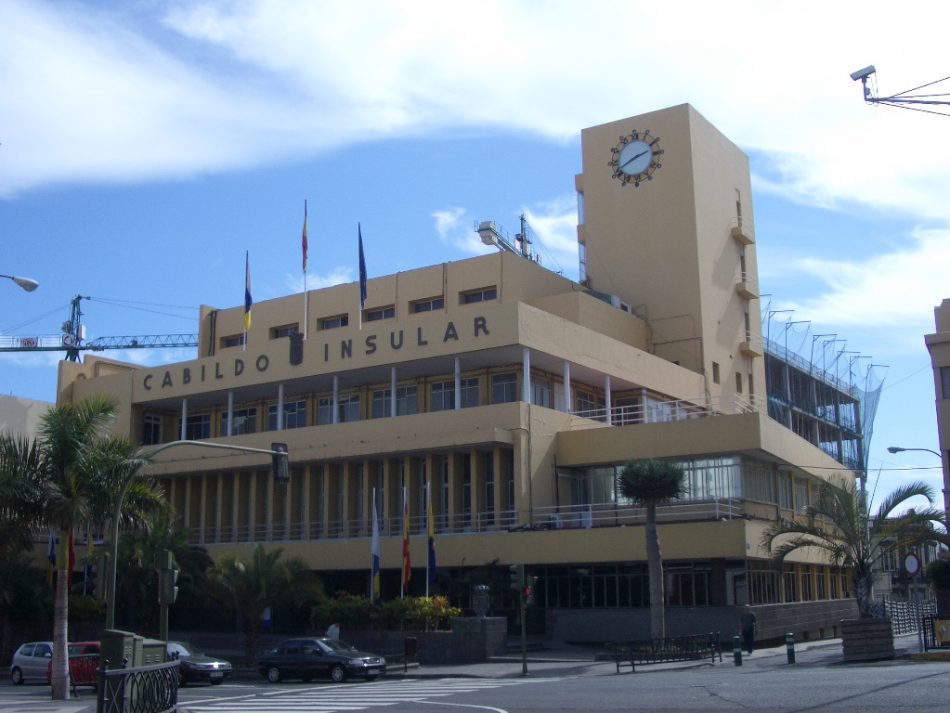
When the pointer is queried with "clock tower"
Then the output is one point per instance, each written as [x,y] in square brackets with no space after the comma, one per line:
[665,226]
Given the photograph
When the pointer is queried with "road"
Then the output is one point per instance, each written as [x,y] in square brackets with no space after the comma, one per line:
[897,686]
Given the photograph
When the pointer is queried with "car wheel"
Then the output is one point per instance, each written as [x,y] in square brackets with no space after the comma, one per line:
[337,674]
[217,681]
[17,676]
[273,674]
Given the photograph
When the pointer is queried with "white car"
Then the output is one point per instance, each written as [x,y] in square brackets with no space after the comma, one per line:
[31,662]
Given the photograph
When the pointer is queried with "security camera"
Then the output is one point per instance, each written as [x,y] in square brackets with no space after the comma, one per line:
[863,73]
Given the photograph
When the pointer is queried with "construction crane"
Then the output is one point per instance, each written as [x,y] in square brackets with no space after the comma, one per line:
[72,339]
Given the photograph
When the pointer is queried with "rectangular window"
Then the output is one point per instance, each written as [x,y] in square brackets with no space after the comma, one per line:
[197,427]
[542,394]
[245,421]
[427,305]
[374,315]
[715,369]
[442,396]
[405,402]
[504,388]
[151,429]
[286,330]
[945,381]
[335,322]
[348,409]
[295,415]
[588,404]
[481,295]
[738,383]
[232,340]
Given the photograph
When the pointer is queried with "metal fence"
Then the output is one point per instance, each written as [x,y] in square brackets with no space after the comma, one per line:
[145,689]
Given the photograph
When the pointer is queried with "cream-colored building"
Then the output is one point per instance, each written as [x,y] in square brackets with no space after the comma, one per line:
[517,395]
[938,344]
[21,417]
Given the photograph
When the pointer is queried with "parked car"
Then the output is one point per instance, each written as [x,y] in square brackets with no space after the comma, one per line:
[31,661]
[83,663]
[194,665]
[319,657]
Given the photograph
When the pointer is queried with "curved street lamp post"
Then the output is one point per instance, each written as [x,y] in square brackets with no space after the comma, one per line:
[277,451]
[26,283]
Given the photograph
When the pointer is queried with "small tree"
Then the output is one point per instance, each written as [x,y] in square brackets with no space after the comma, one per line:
[650,483]
[839,524]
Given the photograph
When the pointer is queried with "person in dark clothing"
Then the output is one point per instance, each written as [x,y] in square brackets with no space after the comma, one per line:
[747,628]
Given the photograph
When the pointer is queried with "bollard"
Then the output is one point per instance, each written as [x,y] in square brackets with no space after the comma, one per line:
[790,646]
[737,650]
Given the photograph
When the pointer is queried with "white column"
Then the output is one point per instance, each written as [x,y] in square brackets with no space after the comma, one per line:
[184,418]
[526,375]
[392,392]
[336,399]
[567,387]
[280,407]
[608,399]
[230,429]
[458,383]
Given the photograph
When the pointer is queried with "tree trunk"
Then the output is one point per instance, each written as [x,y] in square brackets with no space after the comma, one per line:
[655,570]
[60,665]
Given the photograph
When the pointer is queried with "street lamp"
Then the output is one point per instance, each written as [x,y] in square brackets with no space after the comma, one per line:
[946,476]
[279,456]
[26,283]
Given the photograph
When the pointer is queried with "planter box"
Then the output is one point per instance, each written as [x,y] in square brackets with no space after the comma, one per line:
[867,639]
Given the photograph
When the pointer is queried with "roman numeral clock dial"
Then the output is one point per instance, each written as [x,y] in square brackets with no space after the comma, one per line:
[636,158]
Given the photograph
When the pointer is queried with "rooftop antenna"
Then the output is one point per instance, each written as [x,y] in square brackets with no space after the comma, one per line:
[491,234]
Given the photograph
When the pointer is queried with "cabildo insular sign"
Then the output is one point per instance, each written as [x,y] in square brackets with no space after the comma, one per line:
[239,366]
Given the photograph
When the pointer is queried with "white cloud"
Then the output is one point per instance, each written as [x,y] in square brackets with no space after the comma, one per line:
[96,93]
[336,276]
[897,289]
[455,227]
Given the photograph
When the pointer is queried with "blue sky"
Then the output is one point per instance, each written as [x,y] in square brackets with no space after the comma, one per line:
[145,145]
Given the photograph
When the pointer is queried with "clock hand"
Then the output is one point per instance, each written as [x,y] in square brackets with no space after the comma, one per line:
[633,158]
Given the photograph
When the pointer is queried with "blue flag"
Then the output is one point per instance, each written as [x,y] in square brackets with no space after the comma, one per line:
[359,230]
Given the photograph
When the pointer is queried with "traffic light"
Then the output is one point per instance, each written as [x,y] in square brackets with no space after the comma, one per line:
[516,576]
[279,460]
[168,586]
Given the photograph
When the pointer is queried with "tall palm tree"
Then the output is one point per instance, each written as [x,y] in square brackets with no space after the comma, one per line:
[842,526]
[262,582]
[652,482]
[67,433]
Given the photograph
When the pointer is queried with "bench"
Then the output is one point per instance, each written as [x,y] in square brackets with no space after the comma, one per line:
[676,648]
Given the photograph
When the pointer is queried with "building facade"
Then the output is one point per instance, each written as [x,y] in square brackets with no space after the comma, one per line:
[938,344]
[513,396]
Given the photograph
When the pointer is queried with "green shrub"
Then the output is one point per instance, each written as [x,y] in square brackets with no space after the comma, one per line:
[938,574]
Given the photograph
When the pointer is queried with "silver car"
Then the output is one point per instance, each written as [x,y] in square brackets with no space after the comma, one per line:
[31,662]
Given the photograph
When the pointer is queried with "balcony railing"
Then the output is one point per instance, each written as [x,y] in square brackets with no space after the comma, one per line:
[542,518]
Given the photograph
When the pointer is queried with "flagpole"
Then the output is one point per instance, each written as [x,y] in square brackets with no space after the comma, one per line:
[362,270]
[247,296]
[428,533]
[303,245]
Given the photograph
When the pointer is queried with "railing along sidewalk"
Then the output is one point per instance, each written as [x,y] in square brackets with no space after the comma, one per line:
[693,647]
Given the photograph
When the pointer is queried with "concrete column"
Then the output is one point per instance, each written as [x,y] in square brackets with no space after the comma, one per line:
[458,383]
[305,502]
[235,505]
[280,407]
[526,375]
[203,504]
[392,392]
[229,431]
[608,400]
[184,419]
[252,507]
[568,405]
[218,505]
[335,417]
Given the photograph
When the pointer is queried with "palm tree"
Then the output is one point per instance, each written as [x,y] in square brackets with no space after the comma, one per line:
[839,524]
[137,555]
[67,433]
[652,482]
[264,581]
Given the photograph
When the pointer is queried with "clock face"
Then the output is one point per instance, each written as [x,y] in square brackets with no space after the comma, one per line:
[635,158]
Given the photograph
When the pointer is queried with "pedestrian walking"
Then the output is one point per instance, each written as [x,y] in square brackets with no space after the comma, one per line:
[747,628]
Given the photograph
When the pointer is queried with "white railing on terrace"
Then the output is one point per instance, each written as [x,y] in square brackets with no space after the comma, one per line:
[680,410]
[545,518]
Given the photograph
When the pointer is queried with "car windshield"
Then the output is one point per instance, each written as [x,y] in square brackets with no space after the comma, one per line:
[335,645]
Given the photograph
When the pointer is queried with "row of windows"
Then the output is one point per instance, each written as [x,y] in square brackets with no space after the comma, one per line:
[375,314]
[504,389]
